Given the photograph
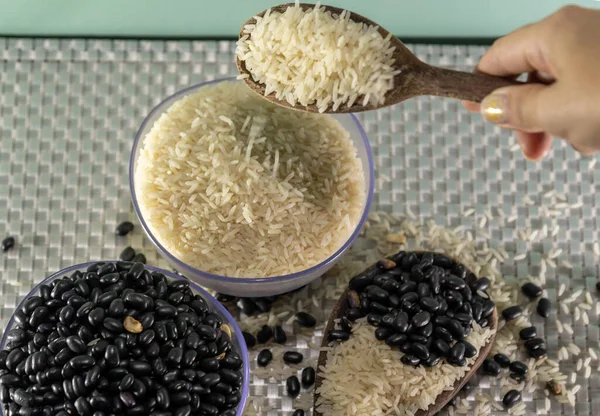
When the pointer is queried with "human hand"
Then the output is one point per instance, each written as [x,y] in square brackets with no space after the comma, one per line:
[561,54]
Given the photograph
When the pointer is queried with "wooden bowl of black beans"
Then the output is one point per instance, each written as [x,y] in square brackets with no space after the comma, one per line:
[422,303]
[122,338]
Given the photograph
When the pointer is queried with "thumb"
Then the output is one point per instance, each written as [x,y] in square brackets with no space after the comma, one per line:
[521,107]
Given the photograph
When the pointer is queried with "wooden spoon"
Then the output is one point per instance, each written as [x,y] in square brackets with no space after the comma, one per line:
[443,399]
[416,77]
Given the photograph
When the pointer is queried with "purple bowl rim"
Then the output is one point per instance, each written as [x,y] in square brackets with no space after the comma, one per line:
[246,280]
[211,299]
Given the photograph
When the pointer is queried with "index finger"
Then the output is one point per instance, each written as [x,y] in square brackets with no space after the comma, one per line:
[520,51]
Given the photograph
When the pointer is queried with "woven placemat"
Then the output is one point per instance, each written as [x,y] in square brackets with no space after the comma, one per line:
[69,110]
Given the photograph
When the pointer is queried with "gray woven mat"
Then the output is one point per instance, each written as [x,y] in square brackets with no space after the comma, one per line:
[69,110]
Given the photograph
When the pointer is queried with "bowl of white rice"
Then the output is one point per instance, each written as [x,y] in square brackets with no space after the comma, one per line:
[245,197]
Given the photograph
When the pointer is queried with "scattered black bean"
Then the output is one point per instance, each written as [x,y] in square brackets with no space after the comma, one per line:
[511,398]
[543,307]
[298,412]
[127,255]
[124,228]
[292,357]
[308,377]
[249,339]
[531,291]
[502,359]
[119,340]
[535,344]
[8,243]
[512,312]
[491,367]
[338,335]
[264,358]
[306,320]
[518,367]
[528,333]
[264,335]
[279,335]
[293,386]
[139,258]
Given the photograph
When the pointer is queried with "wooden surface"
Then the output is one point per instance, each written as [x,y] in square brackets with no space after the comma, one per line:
[416,77]
[339,310]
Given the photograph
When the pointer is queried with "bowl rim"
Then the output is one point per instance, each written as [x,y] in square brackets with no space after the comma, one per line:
[245,391]
[180,265]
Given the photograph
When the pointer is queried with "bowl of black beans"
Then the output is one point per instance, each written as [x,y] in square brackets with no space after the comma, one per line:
[121,338]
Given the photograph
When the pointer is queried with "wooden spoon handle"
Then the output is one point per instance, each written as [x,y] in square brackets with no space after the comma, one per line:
[467,86]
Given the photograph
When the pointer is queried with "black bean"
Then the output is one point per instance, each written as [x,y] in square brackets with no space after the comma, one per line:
[456,329]
[264,358]
[338,335]
[540,352]
[246,305]
[487,308]
[420,351]
[432,361]
[483,284]
[305,319]
[491,367]
[78,386]
[519,367]
[410,360]
[92,376]
[360,282]
[421,319]
[208,333]
[127,254]
[463,318]
[511,398]
[292,357]
[96,316]
[264,335]
[14,358]
[534,344]
[429,304]
[127,399]
[454,283]
[298,412]
[113,325]
[208,364]
[82,362]
[457,353]
[543,307]
[124,228]
[443,334]
[249,339]
[210,380]
[528,333]
[382,333]
[76,344]
[531,290]
[8,243]
[293,386]
[111,355]
[395,340]
[470,350]
[401,322]
[512,312]
[83,406]
[502,359]
[279,335]
[441,346]
[308,377]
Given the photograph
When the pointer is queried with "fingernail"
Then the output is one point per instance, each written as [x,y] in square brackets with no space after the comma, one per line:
[493,108]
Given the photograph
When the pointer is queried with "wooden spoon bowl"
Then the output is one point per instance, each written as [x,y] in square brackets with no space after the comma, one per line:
[415,78]
[443,399]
